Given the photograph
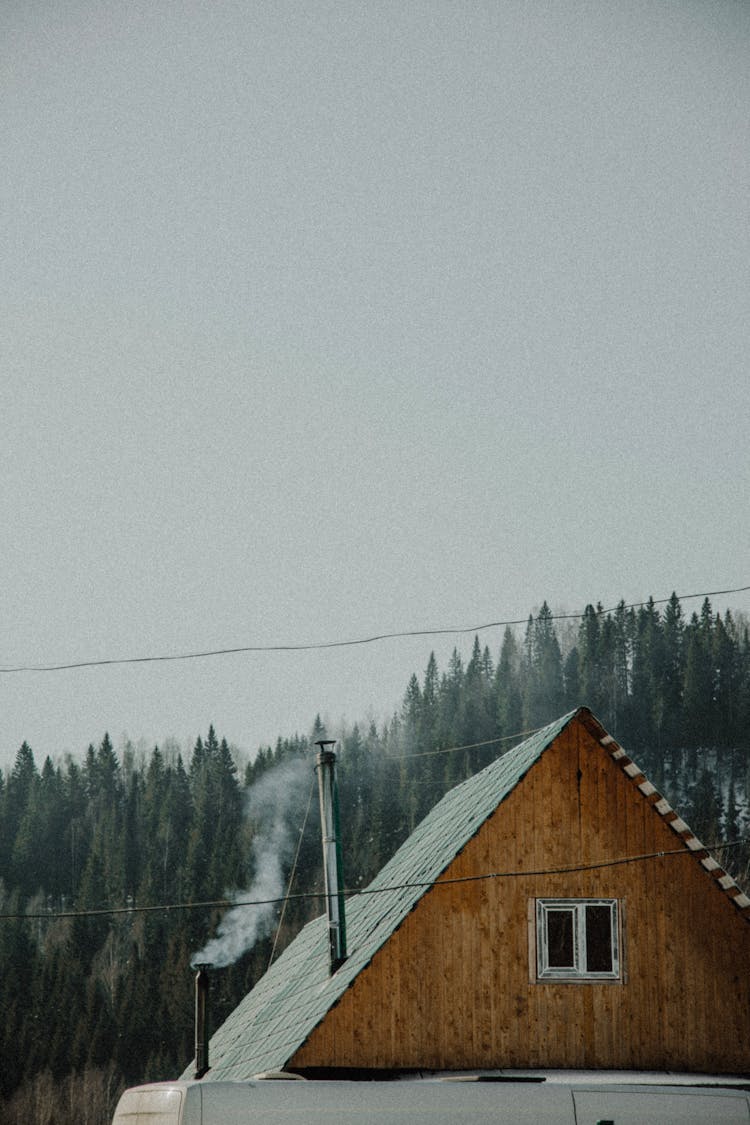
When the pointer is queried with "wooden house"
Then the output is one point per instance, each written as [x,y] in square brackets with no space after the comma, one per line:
[552,911]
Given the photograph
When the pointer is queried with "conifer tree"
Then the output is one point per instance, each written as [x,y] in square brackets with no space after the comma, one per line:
[18,794]
[589,663]
[698,684]
[508,687]
[726,695]
[544,687]
[673,674]
[705,809]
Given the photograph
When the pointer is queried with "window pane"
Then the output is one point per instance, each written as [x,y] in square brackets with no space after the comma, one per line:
[560,945]
[598,939]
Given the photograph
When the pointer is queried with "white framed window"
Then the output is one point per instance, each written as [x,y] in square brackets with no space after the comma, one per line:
[577,939]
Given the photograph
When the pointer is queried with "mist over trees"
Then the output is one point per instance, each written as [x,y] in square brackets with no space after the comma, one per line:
[92,1003]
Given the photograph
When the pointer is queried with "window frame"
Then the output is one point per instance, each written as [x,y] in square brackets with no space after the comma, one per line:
[577,972]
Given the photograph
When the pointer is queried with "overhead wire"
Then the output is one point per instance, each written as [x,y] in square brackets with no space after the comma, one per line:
[292,874]
[355,892]
[288,897]
[322,645]
[225,903]
[468,745]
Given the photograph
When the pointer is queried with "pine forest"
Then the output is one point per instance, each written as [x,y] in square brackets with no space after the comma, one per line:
[106,860]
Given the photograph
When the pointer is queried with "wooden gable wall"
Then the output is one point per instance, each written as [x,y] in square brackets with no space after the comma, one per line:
[453,988]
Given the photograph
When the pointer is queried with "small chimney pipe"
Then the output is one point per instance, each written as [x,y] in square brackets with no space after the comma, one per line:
[332,866]
[201,1019]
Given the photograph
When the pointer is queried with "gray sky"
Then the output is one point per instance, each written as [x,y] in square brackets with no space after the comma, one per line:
[326,319]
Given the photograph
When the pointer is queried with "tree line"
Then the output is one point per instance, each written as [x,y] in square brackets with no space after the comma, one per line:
[93,1001]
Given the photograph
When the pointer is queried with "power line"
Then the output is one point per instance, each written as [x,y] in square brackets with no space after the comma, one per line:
[292,873]
[321,645]
[226,904]
[467,745]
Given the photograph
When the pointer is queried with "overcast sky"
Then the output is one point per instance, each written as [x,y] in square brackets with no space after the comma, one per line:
[326,319]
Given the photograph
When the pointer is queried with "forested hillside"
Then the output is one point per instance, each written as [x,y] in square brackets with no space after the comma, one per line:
[103,860]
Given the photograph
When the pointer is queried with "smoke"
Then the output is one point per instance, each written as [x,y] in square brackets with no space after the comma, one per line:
[269,803]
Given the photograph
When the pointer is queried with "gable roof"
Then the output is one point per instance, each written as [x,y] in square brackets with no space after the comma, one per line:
[291,999]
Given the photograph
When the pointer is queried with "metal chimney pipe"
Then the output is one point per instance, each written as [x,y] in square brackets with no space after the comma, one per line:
[332,866]
[201,1019]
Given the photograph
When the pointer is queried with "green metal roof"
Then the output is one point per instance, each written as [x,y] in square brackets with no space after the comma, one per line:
[290,1000]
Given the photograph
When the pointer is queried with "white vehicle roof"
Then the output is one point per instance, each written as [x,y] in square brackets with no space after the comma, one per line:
[427,1102]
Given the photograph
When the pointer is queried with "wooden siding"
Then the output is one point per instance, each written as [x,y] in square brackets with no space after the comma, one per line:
[451,989]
